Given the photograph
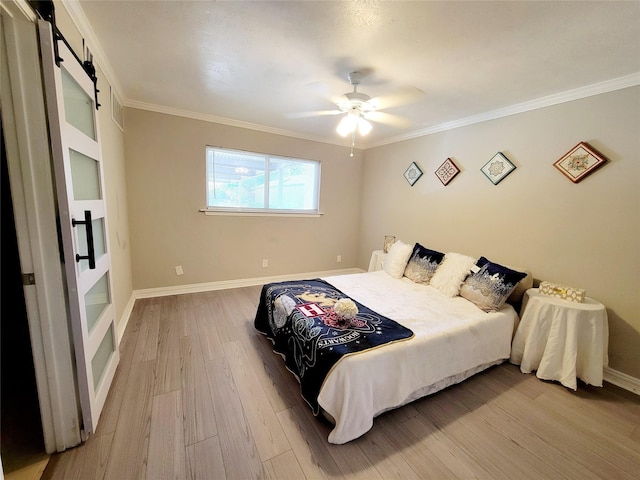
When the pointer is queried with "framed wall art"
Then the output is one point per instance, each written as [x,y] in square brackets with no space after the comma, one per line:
[579,162]
[413,173]
[447,171]
[498,168]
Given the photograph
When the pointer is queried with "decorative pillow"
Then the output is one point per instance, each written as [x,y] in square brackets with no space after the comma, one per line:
[491,285]
[396,260]
[451,273]
[422,264]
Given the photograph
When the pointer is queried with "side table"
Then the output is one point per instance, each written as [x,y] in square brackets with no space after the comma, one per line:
[561,340]
[377,260]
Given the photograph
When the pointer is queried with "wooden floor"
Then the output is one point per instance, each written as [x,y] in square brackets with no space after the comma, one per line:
[200,395]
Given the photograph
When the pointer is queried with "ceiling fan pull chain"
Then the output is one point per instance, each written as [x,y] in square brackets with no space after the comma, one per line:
[353,141]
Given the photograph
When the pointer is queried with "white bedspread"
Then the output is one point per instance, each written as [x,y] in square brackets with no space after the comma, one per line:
[452,336]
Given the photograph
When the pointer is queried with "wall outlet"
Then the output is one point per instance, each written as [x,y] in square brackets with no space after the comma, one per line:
[339,258]
[179,270]
[265,263]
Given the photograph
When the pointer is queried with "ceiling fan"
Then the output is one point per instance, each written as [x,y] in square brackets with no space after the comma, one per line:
[359,109]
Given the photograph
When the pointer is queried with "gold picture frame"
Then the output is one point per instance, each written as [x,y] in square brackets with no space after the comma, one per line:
[580,161]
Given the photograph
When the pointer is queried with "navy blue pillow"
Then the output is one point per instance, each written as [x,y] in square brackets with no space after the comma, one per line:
[422,264]
[491,285]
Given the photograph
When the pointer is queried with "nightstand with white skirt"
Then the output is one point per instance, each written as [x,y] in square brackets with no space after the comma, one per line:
[562,340]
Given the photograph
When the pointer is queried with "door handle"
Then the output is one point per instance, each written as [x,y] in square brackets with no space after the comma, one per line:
[91,253]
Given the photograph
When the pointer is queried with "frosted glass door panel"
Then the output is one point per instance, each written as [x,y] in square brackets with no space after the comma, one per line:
[101,358]
[99,248]
[96,301]
[85,177]
[78,106]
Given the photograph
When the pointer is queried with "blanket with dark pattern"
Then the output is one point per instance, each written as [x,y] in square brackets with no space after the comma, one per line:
[298,317]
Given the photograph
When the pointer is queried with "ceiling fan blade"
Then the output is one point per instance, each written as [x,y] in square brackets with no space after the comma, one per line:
[402,97]
[316,113]
[388,119]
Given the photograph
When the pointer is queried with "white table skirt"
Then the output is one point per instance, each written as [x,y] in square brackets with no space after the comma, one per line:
[562,340]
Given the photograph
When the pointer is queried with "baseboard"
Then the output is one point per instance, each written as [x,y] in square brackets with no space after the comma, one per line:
[622,380]
[221,285]
[241,282]
[612,376]
[126,315]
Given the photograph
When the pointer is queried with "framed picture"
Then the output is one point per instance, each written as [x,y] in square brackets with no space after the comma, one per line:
[447,171]
[413,173]
[498,168]
[579,162]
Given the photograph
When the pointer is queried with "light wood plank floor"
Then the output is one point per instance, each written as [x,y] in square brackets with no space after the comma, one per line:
[200,395]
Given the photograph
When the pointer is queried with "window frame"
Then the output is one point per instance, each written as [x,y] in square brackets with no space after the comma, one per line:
[262,211]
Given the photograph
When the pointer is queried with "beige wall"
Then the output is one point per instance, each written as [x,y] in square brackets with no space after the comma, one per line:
[112,140]
[586,235]
[166,188]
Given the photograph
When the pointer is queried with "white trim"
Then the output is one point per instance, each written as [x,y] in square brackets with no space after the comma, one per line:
[271,213]
[219,285]
[555,99]
[82,23]
[606,86]
[622,380]
[238,283]
[85,29]
[31,180]
[612,376]
[124,319]
[22,9]
[75,11]
[231,122]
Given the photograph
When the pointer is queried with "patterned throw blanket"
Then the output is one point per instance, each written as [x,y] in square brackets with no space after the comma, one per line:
[299,318]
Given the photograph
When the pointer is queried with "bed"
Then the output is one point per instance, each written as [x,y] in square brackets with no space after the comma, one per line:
[445,333]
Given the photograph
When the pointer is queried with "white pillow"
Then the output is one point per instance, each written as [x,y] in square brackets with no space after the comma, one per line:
[396,260]
[451,273]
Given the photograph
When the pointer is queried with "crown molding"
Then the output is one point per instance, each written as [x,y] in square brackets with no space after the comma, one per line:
[80,20]
[21,8]
[152,107]
[550,100]
[82,24]
[555,99]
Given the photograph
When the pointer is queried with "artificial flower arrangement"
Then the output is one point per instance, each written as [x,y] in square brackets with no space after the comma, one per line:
[345,308]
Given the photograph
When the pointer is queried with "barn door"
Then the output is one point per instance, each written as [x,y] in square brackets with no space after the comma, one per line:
[77,163]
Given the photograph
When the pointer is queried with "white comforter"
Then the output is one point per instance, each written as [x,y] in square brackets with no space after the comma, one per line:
[453,338]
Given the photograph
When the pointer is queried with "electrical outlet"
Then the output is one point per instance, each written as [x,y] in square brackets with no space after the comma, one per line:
[339,258]
[265,263]
[179,270]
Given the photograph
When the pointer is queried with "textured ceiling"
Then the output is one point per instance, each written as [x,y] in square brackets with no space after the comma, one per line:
[258,61]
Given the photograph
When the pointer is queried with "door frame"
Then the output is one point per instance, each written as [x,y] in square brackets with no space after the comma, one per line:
[30,175]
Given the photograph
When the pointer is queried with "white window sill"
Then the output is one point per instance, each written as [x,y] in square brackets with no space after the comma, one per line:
[253,213]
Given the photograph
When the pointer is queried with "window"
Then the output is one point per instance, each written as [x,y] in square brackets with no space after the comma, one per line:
[253,182]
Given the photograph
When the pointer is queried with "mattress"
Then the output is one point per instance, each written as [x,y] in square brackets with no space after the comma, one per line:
[453,339]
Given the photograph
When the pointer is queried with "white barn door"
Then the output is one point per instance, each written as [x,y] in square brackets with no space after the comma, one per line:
[79,180]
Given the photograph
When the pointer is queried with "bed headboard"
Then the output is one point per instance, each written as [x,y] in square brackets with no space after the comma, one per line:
[523,285]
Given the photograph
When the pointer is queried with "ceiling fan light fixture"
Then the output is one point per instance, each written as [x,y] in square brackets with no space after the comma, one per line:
[364,126]
[347,125]
[359,109]
[354,120]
